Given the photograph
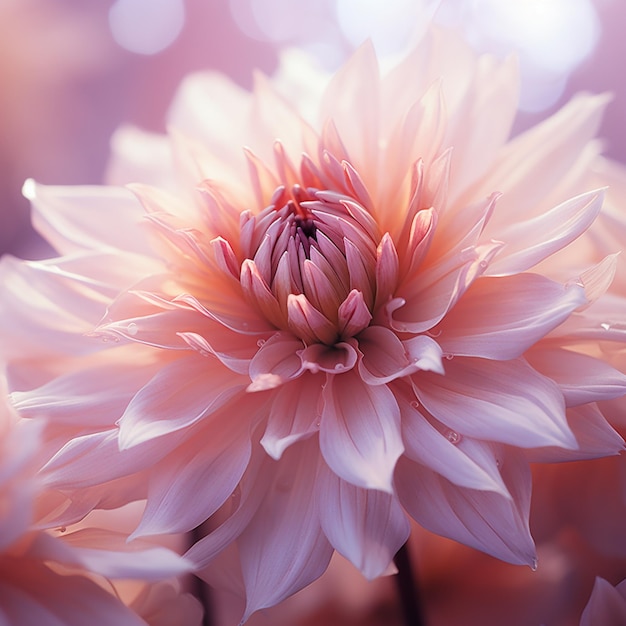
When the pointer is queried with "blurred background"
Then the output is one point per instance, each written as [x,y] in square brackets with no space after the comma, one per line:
[71,71]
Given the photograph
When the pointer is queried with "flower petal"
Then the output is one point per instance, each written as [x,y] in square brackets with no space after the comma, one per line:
[179,395]
[184,492]
[442,453]
[533,240]
[484,520]
[501,318]
[504,401]
[283,549]
[366,526]
[294,414]
[360,431]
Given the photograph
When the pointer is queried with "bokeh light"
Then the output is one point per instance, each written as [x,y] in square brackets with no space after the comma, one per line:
[146,26]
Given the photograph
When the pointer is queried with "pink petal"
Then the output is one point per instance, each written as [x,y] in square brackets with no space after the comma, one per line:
[425,353]
[441,452]
[110,554]
[184,492]
[276,362]
[294,414]
[501,318]
[360,431]
[581,378]
[357,81]
[353,314]
[387,269]
[595,437]
[89,460]
[113,221]
[531,241]
[341,357]
[308,323]
[179,395]
[38,595]
[283,549]
[606,606]
[366,526]
[504,401]
[484,520]
[384,356]
[233,350]
[544,154]
[81,398]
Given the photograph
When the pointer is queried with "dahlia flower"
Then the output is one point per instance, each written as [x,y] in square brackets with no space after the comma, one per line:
[66,575]
[347,321]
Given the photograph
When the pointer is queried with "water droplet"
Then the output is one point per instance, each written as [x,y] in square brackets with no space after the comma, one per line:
[449,357]
[605,326]
[105,339]
[132,329]
[317,425]
[260,343]
[415,404]
[62,529]
[535,564]
[115,339]
[339,367]
[483,265]
[453,437]
[498,463]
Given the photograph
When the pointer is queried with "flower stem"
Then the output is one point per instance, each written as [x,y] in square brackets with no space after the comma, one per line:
[406,583]
[199,588]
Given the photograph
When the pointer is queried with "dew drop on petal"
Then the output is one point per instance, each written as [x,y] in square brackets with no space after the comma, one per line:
[453,437]
[415,404]
[605,326]
[260,343]
[535,564]
[132,329]
[449,357]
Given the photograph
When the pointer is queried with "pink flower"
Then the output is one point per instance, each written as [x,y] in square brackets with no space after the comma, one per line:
[606,606]
[67,575]
[343,323]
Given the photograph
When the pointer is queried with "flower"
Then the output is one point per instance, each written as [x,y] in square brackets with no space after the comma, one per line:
[607,604]
[346,321]
[64,575]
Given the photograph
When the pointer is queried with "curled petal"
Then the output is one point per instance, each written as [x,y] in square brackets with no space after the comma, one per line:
[276,362]
[332,359]
[384,356]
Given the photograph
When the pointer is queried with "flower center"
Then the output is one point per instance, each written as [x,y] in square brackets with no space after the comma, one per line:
[310,263]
